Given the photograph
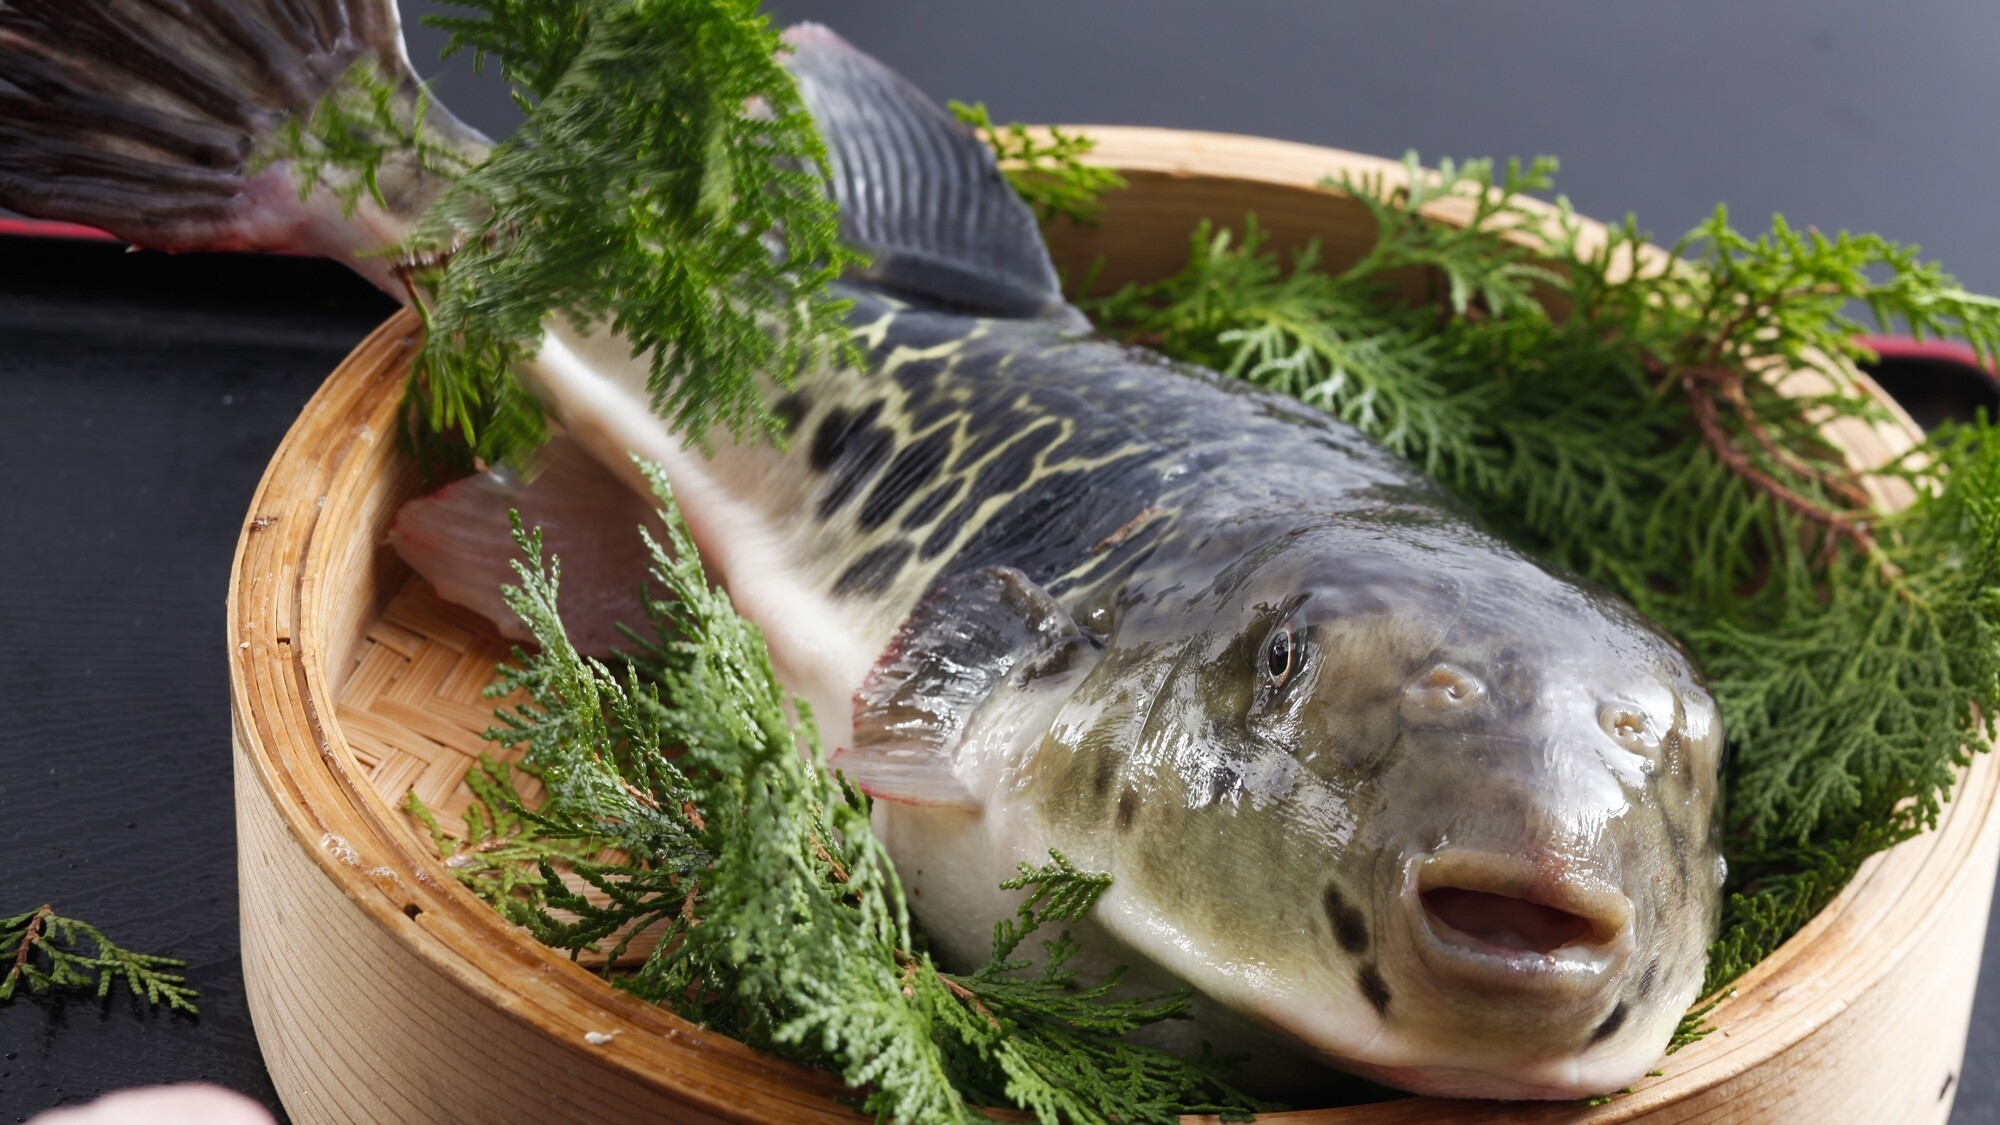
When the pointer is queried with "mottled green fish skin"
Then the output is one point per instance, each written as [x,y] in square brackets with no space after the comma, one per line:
[967,442]
[1181,518]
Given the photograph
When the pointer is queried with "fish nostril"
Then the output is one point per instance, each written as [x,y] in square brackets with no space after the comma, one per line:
[1443,689]
[1630,728]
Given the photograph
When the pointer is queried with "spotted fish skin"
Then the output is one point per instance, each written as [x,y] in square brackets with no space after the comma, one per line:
[1382,790]
[1464,841]
[1179,519]
[965,443]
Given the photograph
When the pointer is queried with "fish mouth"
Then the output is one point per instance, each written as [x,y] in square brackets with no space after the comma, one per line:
[1505,924]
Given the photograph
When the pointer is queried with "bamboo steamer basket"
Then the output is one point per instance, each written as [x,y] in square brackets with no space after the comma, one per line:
[382,991]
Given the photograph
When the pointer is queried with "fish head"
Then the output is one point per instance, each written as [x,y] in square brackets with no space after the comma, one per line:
[1442,815]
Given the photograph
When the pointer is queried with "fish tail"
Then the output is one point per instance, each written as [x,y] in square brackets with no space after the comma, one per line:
[173,123]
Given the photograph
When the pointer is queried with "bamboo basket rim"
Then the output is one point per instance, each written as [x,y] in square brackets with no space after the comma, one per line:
[286,671]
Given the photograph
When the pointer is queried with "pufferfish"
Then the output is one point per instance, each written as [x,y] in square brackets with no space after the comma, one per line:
[1383,791]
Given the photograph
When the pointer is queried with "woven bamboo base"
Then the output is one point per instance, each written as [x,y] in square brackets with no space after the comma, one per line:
[413,707]
[385,992]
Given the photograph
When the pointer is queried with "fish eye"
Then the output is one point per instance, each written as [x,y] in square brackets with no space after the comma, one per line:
[1284,652]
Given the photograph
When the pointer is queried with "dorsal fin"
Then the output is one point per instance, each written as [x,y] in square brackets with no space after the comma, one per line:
[917,190]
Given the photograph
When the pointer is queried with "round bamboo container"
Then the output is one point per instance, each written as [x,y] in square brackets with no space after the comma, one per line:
[385,992]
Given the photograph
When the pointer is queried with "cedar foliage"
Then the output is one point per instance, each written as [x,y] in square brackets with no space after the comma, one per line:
[44,952]
[1608,408]
[638,196]
[1046,166]
[777,916]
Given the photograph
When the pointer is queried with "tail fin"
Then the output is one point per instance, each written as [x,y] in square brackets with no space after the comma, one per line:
[144,118]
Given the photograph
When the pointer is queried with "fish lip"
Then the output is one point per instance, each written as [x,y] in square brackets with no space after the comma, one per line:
[1575,970]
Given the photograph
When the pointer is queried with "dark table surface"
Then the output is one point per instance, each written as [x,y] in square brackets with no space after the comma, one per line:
[143,394]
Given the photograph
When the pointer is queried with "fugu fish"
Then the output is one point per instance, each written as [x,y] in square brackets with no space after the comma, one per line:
[1384,791]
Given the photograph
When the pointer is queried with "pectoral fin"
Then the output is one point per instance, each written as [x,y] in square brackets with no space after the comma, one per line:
[974,637]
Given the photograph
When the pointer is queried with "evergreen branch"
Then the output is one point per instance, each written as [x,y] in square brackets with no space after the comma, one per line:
[1307,334]
[1485,262]
[1637,439]
[361,123]
[640,197]
[499,858]
[780,917]
[1704,387]
[1045,165]
[1780,299]
[1055,1039]
[580,722]
[535,42]
[44,951]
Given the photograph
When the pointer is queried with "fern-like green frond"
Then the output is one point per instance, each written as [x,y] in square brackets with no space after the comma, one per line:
[668,185]
[48,952]
[1045,165]
[1610,407]
[360,124]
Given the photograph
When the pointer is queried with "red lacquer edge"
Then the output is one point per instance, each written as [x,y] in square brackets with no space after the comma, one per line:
[38,228]
[1936,351]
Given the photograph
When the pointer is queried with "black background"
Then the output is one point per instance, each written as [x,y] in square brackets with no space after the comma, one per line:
[143,394]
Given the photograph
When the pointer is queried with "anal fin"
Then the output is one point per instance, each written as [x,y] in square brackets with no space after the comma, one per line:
[459,539]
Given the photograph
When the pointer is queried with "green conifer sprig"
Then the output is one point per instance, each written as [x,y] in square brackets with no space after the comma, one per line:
[1074,1045]
[640,197]
[1045,165]
[773,913]
[362,122]
[505,852]
[581,725]
[1608,406]
[1496,272]
[48,952]
[1309,334]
